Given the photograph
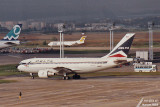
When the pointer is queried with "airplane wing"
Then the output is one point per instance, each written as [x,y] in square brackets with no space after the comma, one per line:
[123,61]
[9,43]
[17,42]
[119,62]
[62,70]
[50,72]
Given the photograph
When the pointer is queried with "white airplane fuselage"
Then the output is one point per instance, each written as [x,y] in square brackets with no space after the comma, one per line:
[78,65]
[66,43]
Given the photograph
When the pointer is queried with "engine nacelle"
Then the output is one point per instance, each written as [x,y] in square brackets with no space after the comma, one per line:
[46,73]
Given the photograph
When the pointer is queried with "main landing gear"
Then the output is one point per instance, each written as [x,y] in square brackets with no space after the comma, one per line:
[75,76]
[32,75]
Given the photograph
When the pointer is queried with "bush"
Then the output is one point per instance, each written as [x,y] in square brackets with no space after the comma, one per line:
[44,42]
[54,39]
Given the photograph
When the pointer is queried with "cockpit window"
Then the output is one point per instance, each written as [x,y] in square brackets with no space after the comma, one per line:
[23,63]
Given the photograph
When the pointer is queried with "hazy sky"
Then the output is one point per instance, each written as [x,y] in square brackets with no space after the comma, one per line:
[67,9]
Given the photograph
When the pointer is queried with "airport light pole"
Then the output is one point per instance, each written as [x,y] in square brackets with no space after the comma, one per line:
[61,30]
[62,45]
[111,37]
[150,27]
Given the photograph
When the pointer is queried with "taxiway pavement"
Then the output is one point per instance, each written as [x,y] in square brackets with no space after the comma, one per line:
[88,92]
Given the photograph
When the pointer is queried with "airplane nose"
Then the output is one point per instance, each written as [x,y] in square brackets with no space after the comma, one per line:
[20,68]
[49,44]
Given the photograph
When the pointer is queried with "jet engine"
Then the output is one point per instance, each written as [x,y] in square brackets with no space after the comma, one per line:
[46,73]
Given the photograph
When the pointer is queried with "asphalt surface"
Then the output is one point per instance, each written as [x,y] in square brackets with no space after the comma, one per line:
[88,92]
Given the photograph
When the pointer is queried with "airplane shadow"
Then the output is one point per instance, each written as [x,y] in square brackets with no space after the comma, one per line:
[109,77]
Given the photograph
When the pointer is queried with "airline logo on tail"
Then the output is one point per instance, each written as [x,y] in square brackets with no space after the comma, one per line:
[118,54]
[14,33]
[82,38]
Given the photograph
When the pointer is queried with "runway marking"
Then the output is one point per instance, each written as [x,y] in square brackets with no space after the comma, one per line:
[15,56]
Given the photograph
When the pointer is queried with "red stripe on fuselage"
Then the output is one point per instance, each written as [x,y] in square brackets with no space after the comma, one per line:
[117,55]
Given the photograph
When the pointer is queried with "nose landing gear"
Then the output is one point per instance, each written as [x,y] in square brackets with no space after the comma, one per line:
[66,78]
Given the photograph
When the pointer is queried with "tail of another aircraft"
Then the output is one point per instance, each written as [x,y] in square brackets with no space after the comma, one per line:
[82,39]
[14,33]
[123,47]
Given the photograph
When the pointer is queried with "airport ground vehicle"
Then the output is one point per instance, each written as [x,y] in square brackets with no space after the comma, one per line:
[145,68]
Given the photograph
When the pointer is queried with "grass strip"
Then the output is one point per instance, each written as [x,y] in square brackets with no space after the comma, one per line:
[7,81]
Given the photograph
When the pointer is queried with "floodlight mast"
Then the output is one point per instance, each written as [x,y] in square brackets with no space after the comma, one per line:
[112,39]
[62,45]
[111,36]
[61,30]
[150,27]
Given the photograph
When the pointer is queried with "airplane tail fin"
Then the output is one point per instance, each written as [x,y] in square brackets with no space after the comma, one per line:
[82,39]
[123,47]
[14,33]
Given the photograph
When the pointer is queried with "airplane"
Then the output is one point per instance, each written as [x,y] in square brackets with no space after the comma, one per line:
[68,43]
[46,67]
[11,38]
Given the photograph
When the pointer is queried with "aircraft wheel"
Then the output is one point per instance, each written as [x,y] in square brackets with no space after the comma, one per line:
[32,77]
[66,78]
[76,76]
[73,77]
